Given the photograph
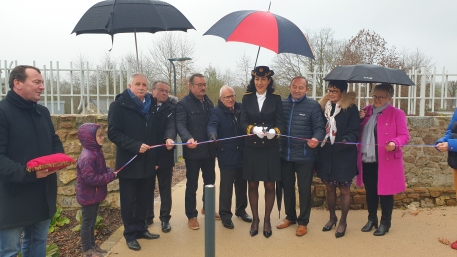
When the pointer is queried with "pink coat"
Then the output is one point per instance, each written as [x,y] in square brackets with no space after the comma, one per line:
[391,127]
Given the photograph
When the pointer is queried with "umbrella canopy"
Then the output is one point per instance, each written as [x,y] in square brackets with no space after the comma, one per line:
[264,29]
[369,73]
[123,16]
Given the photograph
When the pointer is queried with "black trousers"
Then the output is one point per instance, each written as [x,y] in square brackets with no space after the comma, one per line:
[370,180]
[192,174]
[89,218]
[136,197]
[227,180]
[164,177]
[304,173]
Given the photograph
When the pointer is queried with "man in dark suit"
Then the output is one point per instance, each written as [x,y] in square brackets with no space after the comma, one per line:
[192,116]
[225,122]
[132,127]
[166,130]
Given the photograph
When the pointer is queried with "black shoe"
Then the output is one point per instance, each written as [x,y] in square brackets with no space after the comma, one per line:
[245,217]
[267,234]
[329,227]
[253,232]
[147,235]
[228,224]
[134,245]
[341,234]
[382,230]
[166,227]
[369,226]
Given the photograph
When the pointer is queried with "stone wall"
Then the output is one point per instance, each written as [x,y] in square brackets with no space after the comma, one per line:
[429,179]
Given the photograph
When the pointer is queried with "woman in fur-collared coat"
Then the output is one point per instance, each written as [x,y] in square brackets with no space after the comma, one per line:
[337,158]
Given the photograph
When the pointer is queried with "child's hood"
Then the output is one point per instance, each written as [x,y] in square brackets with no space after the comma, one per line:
[87,134]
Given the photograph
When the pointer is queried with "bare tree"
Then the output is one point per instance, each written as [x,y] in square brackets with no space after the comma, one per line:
[369,47]
[416,59]
[244,65]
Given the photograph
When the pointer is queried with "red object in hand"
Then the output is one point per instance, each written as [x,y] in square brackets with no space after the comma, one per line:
[50,162]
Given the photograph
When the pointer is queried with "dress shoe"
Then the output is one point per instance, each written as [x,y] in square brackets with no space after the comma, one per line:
[382,230]
[329,227]
[245,217]
[369,226]
[301,230]
[166,227]
[216,215]
[97,248]
[341,234]
[193,223]
[285,223]
[228,224]
[134,245]
[267,234]
[254,232]
[147,235]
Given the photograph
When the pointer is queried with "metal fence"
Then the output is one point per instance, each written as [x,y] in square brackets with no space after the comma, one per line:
[85,89]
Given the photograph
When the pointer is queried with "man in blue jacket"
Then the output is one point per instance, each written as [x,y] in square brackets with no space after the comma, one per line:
[304,120]
[223,123]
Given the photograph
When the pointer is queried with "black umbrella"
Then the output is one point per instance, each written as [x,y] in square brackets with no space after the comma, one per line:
[369,73]
[279,196]
[123,16]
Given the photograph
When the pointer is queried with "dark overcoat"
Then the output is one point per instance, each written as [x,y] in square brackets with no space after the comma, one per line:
[166,128]
[26,132]
[128,129]
[338,162]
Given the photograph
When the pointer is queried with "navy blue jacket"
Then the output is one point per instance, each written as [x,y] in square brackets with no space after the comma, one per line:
[303,119]
[224,123]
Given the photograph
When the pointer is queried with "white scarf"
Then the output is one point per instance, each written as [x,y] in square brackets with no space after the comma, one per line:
[330,128]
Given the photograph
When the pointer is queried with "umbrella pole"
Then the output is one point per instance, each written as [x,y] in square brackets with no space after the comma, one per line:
[136,47]
[255,65]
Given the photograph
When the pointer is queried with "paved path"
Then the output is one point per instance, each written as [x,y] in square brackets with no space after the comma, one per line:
[413,233]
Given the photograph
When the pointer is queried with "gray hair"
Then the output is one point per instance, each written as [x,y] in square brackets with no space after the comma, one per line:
[225,87]
[385,87]
[137,74]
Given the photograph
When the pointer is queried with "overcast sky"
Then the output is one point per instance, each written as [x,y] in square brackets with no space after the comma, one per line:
[39,31]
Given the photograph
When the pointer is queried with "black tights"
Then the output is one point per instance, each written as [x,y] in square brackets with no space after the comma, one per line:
[253,194]
[345,201]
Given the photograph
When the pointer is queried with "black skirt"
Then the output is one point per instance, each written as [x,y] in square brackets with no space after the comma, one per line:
[261,163]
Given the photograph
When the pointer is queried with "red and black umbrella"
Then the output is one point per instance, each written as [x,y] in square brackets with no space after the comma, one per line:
[264,29]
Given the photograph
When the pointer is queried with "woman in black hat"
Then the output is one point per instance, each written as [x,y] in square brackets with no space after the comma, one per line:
[261,114]
[337,157]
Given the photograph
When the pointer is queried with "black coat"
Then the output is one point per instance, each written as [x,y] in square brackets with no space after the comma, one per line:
[223,124]
[128,129]
[339,161]
[26,132]
[192,119]
[166,129]
[303,120]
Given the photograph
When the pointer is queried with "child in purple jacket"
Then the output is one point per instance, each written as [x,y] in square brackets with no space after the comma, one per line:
[91,189]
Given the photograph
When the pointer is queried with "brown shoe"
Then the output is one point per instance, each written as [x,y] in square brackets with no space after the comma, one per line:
[301,230]
[193,223]
[284,224]
[216,215]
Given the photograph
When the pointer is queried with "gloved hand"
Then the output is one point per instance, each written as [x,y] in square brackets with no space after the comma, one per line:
[258,131]
[271,134]
[212,137]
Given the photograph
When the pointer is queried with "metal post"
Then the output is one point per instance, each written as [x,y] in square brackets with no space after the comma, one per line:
[422,92]
[210,229]
[174,77]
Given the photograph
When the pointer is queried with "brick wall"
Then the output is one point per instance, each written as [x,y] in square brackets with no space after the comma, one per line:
[429,179]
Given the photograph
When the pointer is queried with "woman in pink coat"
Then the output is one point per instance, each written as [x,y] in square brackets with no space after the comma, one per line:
[380,157]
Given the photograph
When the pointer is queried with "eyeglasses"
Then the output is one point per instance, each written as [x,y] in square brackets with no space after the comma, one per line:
[163,90]
[333,91]
[200,85]
[228,97]
[379,97]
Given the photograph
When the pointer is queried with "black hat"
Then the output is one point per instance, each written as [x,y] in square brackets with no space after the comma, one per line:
[262,71]
[340,84]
